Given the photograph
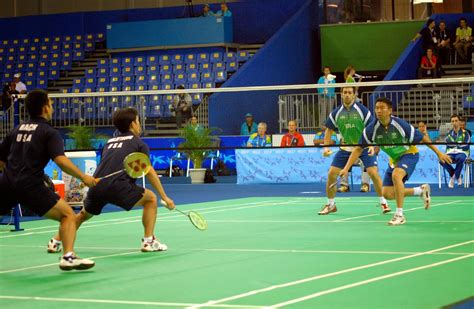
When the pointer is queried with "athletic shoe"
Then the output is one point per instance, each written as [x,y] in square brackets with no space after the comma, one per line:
[460,181]
[385,208]
[327,209]
[72,261]
[397,220]
[451,182]
[364,188]
[343,189]
[54,246]
[426,195]
[153,246]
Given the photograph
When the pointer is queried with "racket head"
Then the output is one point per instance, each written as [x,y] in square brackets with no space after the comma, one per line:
[136,164]
[197,220]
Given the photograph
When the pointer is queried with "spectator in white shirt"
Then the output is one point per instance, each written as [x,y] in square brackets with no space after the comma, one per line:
[19,85]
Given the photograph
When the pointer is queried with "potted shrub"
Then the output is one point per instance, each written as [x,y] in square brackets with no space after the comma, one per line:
[196,140]
[83,138]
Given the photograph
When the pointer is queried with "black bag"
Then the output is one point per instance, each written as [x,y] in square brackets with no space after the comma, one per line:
[209,177]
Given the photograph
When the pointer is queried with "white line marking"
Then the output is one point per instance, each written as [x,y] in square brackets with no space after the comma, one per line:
[111,301]
[313,221]
[317,277]
[57,263]
[349,286]
[260,250]
[405,210]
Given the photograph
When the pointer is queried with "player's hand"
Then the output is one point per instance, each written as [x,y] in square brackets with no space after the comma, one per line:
[343,173]
[445,158]
[169,203]
[327,152]
[371,150]
[89,181]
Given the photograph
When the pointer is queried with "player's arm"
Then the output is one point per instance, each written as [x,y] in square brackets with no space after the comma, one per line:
[328,141]
[352,159]
[156,184]
[67,166]
[441,155]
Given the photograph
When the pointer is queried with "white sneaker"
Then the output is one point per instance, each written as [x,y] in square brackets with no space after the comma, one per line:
[426,195]
[397,220]
[54,246]
[72,261]
[153,246]
[460,181]
[451,183]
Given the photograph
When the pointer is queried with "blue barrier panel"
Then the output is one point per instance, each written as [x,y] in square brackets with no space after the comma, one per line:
[170,32]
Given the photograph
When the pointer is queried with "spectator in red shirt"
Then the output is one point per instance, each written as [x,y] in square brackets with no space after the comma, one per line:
[292,138]
[428,65]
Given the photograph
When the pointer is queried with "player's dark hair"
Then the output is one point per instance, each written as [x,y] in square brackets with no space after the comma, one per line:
[347,87]
[386,101]
[122,118]
[35,101]
[455,116]
[429,21]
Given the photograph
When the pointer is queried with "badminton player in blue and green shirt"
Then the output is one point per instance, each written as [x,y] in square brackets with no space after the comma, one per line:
[387,129]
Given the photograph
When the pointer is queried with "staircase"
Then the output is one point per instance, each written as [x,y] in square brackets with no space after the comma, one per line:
[78,70]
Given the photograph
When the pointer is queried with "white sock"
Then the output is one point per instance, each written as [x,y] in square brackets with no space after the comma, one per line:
[382,200]
[69,253]
[55,241]
[417,190]
[331,201]
[399,211]
[148,239]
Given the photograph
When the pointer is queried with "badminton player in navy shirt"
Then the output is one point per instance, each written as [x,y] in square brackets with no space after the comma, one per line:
[121,189]
[24,153]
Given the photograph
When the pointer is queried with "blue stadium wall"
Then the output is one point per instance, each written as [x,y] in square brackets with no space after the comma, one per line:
[255,21]
[291,56]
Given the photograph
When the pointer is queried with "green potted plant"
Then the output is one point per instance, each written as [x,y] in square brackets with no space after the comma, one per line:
[83,138]
[196,140]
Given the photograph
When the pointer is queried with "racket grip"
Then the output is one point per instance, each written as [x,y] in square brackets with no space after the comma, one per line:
[162,202]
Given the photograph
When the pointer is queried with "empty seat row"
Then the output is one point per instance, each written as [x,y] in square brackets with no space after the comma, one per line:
[99,37]
[135,87]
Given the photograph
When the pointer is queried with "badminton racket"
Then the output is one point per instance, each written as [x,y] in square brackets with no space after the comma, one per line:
[196,218]
[135,165]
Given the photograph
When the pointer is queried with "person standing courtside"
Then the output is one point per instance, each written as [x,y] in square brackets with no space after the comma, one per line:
[24,154]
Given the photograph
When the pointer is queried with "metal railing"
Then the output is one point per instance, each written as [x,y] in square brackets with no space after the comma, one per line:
[6,121]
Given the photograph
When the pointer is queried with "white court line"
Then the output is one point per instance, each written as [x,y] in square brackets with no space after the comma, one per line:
[138,218]
[57,263]
[317,221]
[112,301]
[349,286]
[411,209]
[317,277]
[260,250]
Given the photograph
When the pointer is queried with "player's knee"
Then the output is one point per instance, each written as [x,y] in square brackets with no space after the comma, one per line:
[333,172]
[387,193]
[372,171]
[150,197]
[398,174]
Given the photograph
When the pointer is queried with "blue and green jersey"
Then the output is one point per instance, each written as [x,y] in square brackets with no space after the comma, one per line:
[458,142]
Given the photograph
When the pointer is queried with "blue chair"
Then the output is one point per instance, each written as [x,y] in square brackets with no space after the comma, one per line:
[205,68]
[196,85]
[216,57]
[166,86]
[102,72]
[90,37]
[55,48]
[193,77]
[42,83]
[66,55]
[66,47]
[22,50]
[154,106]
[139,70]
[103,110]
[90,82]
[153,80]
[102,82]
[127,83]
[115,63]
[10,59]
[31,66]
[78,83]
[89,46]
[42,74]
[232,66]
[203,58]
[207,77]
[141,80]
[178,68]
[139,61]
[90,109]
[25,42]
[66,65]
[164,59]
[127,62]
[32,50]
[165,69]
[177,59]
[152,70]
[100,37]
[115,71]
[208,85]
[196,98]
[166,78]
[103,63]
[154,87]
[20,67]
[77,46]
[189,58]
[78,55]
[89,89]
[192,68]
[53,74]
[55,57]
[152,60]
[180,79]
[22,59]
[90,73]
[33,58]
[115,81]
[54,65]
[230,56]
[114,88]
[30,84]
[127,71]
[67,39]
[218,66]
[220,76]
[242,56]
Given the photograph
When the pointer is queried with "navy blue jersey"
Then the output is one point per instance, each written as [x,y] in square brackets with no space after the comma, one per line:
[28,148]
[115,151]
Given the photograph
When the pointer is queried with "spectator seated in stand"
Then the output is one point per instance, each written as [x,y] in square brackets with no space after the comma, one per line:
[292,138]
[428,34]
[224,11]
[206,11]
[428,66]
[182,106]
[444,43]
[463,41]
[260,139]
[249,127]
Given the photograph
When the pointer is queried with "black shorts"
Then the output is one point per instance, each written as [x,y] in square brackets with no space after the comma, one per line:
[120,192]
[35,196]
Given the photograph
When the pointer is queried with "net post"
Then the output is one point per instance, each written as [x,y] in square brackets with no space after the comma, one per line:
[16,219]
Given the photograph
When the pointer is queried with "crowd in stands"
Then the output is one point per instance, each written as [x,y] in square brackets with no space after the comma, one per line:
[439,43]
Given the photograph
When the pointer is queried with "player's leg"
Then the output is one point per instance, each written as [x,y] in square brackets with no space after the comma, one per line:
[450,169]
[370,163]
[458,161]
[330,206]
